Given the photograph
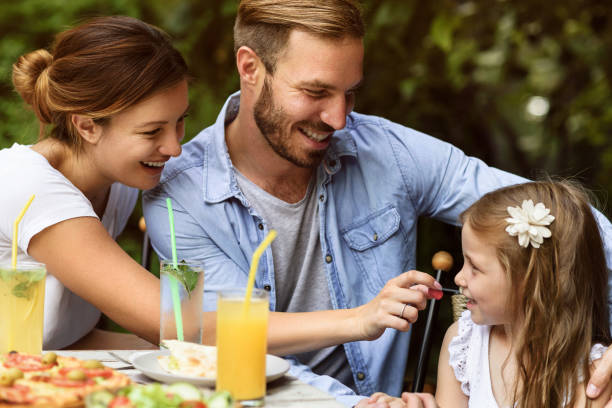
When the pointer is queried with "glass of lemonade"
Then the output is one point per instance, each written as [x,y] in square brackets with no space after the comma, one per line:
[189,280]
[22,300]
[242,344]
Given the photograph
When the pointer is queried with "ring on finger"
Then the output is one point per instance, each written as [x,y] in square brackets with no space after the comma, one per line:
[402,313]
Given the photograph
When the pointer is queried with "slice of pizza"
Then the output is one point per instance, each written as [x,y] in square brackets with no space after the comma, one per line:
[189,359]
[52,381]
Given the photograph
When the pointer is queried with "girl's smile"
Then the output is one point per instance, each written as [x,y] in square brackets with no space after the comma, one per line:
[483,280]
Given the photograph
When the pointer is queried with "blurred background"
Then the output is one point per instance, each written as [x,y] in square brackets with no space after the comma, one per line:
[522,84]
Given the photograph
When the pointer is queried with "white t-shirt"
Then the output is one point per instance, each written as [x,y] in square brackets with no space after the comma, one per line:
[24,172]
[469,358]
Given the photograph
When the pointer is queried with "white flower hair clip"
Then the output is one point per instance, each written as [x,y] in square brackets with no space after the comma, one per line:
[529,223]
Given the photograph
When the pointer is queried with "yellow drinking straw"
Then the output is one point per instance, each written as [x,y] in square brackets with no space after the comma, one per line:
[253,270]
[15,228]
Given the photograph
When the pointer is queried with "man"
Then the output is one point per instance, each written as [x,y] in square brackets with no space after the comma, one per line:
[343,190]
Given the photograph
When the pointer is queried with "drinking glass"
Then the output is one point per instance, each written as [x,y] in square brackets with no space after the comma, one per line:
[242,334]
[22,300]
[188,280]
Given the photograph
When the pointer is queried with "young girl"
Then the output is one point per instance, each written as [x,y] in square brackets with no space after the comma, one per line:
[112,94]
[536,281]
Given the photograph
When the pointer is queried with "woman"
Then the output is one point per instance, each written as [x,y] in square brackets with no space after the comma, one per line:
[113,92]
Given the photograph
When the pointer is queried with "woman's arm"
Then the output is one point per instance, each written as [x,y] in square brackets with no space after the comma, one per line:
[81,254]
[448,391]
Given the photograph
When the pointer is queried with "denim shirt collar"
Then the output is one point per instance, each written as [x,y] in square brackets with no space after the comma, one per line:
[220,182]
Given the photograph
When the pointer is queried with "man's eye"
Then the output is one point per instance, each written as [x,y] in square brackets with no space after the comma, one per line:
[315,93]
[152,132]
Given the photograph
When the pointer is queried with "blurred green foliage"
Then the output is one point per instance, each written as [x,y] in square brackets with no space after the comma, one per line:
[522,84]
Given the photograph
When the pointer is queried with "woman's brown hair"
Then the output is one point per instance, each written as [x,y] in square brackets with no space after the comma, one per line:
[97,69]
[559,290]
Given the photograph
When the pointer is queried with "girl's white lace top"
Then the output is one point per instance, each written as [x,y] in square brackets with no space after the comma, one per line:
[469,358]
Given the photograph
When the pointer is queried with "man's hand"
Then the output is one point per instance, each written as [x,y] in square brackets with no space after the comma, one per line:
[601,377]
[381,400]
[419,400]
[397,305]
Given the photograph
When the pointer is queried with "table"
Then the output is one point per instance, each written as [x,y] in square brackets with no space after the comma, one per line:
[286,392]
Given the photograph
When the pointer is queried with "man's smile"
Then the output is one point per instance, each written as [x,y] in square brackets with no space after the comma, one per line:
[317,137]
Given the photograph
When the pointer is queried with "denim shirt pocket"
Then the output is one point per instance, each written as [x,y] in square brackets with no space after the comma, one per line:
[377,245]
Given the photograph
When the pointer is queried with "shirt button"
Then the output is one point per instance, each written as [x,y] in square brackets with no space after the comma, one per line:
[360,376]
[260,226]
[328,258]
[267,288]
[321,197]
[375,237]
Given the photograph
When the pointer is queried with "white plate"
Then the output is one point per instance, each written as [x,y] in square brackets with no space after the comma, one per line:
[276,367]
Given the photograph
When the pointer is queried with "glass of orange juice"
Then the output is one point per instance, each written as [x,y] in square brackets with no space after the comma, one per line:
[242,333]
[22,300]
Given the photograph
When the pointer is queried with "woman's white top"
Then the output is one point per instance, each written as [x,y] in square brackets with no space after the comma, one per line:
[469,358]
[24,172]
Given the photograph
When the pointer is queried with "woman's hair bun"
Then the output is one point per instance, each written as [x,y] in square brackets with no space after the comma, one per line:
[27,72]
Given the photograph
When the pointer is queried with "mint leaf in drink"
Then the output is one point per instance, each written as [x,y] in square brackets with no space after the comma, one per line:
[184,274]
[21,290]
[190,277]
[26,281]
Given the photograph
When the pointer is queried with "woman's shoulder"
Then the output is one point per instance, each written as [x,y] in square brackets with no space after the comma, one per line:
[16,153]
[25,172]
[20,165]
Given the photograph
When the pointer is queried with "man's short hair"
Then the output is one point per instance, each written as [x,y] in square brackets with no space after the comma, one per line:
[265,25]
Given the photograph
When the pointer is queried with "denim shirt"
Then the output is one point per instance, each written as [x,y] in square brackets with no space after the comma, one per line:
[376,180]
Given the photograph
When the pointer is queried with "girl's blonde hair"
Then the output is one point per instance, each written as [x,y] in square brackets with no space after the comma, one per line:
[558,291]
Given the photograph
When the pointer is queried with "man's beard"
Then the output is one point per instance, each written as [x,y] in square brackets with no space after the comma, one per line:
[273,124]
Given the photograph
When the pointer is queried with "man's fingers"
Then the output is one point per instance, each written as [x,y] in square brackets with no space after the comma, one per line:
[362,403]
[397,403]
[415,298]
[412,400]
[421,288]
[410,278]
[419,400]
[397,323]
[374,397]
[601,375]
[428,400]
